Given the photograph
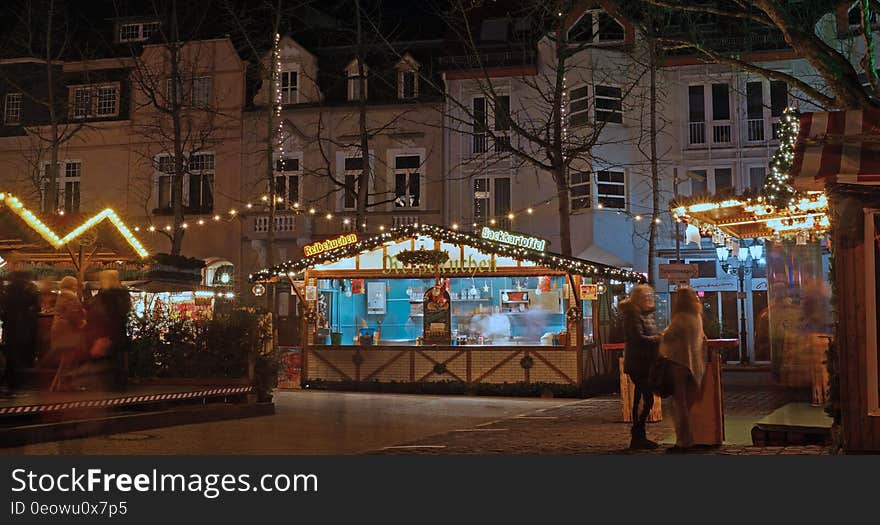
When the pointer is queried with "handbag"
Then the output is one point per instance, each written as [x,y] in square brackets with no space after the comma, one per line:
[660,377]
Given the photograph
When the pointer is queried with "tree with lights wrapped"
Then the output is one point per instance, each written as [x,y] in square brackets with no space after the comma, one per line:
[777,186]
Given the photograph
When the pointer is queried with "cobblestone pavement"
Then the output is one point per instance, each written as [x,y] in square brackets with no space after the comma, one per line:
[592,426]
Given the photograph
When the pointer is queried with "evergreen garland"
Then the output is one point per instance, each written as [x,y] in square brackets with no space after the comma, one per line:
[777,187]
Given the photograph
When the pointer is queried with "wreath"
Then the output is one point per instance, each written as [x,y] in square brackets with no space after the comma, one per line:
[422,256]
[573,314]
[439,368]
[527,362]
[311,316]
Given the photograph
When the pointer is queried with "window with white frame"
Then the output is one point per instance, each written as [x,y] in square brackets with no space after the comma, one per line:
[99,100]
[578,106]
[67,185]
[288,174]
[12,109]
[609,104]
[353,167]
[498,115]
[354,81]
[722,180]
[198,94]
[492,198]
[201,92]
[579,189]
[164,175]
[699,179]
[715,97]
[289,87]
[597,26]
[200,197]
[408,84]
[407,181]
[756,177]
[137,31]
[611,189]
[198,183]
[82,102]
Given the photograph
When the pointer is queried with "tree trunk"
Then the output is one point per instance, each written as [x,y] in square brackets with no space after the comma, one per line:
[564,208]
[655,171]
[50,202]
[272,140]
[176,116]
[363,186]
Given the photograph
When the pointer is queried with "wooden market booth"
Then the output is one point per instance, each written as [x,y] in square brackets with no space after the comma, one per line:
[840,153]
[102,238]
[504,311]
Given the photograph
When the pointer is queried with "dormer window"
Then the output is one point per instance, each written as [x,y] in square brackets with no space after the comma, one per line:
[137,31]
[354,81]
[598,27]
[407,78]
[289,87]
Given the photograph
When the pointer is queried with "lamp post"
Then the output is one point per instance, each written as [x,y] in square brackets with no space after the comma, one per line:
[740,261]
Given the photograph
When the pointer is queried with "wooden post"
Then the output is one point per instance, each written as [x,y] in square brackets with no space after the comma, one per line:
[579,331]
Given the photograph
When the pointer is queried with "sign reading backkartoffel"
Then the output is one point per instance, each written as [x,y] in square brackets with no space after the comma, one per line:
[515,239]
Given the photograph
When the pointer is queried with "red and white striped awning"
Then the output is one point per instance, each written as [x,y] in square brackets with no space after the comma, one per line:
[837,147]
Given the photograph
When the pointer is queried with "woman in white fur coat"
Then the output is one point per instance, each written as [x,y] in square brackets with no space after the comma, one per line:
[684,343]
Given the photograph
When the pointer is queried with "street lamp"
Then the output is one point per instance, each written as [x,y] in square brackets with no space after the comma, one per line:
[741,264]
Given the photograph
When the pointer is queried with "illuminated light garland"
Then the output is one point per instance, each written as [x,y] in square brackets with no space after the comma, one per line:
[57,242]
[777,187]
[544,259]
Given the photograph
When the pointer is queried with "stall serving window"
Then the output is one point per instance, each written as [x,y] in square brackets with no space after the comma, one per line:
[484,310]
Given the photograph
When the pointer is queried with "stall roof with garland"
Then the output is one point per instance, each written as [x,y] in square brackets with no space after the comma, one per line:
[548,260]
[753,217]
[26,236]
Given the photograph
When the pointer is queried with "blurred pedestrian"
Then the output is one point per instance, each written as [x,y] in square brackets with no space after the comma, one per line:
[106,323]
[684,344]
[640,352]
[19,311]
[46,317]
[68,322]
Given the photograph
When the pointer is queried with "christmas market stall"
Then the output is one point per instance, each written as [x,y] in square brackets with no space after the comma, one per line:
[840,153]
[421,303]
[100,240]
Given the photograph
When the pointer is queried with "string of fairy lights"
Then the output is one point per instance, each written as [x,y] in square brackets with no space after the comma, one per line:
[780,208]
[544,259]
[777,186]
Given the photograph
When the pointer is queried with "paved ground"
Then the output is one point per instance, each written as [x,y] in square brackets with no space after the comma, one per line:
[594,426]
[309,422]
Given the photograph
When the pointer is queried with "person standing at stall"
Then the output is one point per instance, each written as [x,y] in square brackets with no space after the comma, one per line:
[19,310]
[640,352]
[684,344]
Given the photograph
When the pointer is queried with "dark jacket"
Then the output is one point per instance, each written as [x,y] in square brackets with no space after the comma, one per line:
[20,311]
[641,338]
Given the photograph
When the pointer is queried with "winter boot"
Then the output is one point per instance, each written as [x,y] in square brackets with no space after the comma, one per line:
[639,440]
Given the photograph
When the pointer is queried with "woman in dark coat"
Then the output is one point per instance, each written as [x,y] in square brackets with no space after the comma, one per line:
[642,341]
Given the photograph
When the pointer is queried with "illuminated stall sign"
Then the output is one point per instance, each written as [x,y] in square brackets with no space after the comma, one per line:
[469,266]
[514,239]
[329,244]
